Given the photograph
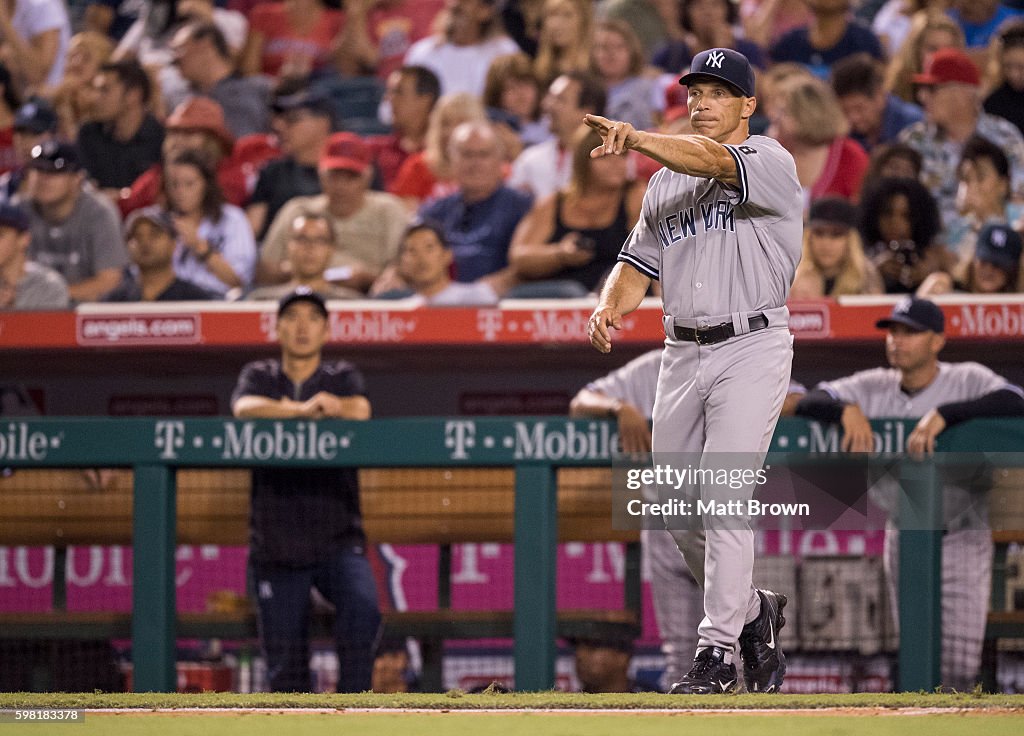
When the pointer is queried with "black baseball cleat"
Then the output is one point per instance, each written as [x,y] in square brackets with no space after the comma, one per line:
[709,675]
[764,664]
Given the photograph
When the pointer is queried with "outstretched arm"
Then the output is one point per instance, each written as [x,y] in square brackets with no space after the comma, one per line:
[696,155]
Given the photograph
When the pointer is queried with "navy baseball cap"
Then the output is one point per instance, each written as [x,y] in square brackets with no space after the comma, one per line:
[302,294]
[725,64]
[835,211]
[55,157]
[36,116]
[1000,245]
[157,216]
[14,217]
[919,315]
[314,101]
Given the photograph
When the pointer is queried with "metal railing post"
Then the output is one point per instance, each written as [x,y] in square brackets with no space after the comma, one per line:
[153,598]
[536,555]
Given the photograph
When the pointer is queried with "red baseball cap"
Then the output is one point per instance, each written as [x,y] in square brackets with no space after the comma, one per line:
[949,66]
[345,151]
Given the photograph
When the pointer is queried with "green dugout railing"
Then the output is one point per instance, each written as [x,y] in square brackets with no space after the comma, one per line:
[535,447]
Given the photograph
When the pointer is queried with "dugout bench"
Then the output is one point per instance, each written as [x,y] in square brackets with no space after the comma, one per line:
[409,506]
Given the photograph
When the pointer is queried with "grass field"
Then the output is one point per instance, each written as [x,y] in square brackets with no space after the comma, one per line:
[530,714]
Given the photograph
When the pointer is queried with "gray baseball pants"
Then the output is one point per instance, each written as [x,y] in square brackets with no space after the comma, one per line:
[713,399]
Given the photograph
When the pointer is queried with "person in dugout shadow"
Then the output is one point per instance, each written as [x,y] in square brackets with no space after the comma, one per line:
[306,524]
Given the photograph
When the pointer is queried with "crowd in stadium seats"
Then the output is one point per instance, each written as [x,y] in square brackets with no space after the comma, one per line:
[245,123]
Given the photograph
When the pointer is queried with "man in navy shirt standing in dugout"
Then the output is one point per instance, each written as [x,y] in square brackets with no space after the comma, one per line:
[306,524]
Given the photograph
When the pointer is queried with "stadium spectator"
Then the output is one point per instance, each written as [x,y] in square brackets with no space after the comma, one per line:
[569,240]
[706,24]
[1007,99]
[994,267]
[618,60]
[149,41]
[306,524]
[831,35]
[950,92]
[601,661]
[480,218]
[472,36]
[892,23]
[512,88]
[546,167]
[379,33]
[10,101]
[892,161]
[900,228]
[25,284]
[392,668]
[929,32]
[426,176]
[368,225]
[983,195]
[765,21]
[204,60]
[312,243]
[980,19]
[424,264]
[35,122]
[216,250]
[197,124]
[290,40]
[123,139]
[74,96]
[566,34]
[651,20]
[302,121]
[916,385]
[410,95]
[875,116]
[833,262]
[807,120]
[110,18]
[35,37]
[151,238]
[75,230]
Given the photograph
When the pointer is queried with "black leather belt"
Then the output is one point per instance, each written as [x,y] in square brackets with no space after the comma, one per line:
[718,333]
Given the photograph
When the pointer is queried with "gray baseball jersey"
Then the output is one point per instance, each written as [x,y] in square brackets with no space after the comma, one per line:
[877,391]
[967,546]
[635,382]
[719,250]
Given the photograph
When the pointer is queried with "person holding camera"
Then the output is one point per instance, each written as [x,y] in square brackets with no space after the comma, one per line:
[568,242]
[900,227]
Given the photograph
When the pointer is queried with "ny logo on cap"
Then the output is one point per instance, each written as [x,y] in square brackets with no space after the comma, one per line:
[999,238]
[715,59]
[904,306]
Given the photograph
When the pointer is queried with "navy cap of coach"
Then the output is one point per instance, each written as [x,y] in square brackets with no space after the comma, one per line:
[302,294]
[919,315]
[725,64]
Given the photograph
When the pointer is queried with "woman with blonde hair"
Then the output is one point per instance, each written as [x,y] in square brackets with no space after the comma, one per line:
[807,120]
[929,31]
[570,240]
[426,175]
[833,262]
[565,38]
